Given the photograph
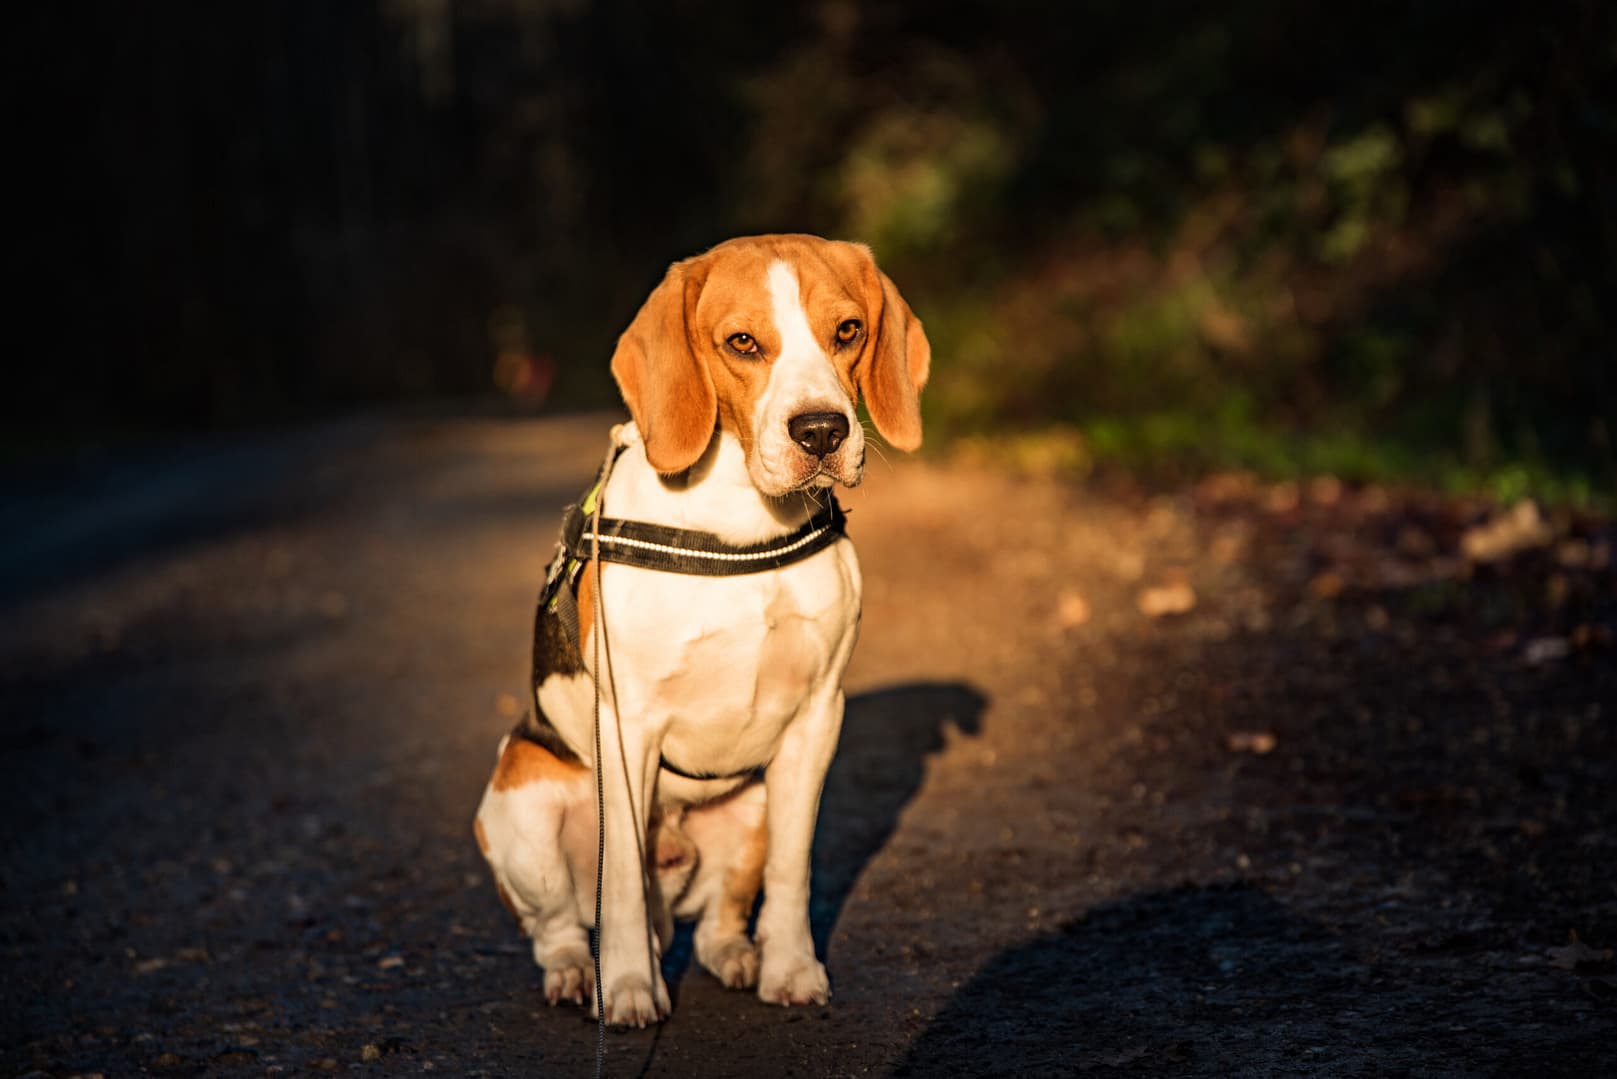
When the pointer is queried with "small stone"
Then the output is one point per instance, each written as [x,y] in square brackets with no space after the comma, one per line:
[391,962]
[370,1054]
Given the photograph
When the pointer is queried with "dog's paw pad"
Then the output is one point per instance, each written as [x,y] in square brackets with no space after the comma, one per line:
[801,982]
[733,962]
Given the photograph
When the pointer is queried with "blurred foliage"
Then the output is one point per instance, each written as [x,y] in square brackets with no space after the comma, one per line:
[1371,239]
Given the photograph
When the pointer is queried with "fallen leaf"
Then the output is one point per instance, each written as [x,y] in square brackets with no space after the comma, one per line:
[1324,490]
[1227,547]
[1576,953]
[1259,742]
[1281,498]
[1072,609]
[1327,585]
[1129,565]
[1545,649]
[1573,554]
[1519,529]
[1176,598]
[1228,487]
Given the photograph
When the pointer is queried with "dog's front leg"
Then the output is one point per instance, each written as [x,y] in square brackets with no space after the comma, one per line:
[788,971]
[632,984]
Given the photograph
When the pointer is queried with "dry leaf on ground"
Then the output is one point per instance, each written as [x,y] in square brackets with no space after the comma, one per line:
[1545,649]
[1175,598]
[1259,742]
[1575,953]
[1503,536]
[1072,609]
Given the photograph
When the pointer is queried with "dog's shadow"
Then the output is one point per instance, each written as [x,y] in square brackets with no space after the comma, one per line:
[880,763]
[887,735]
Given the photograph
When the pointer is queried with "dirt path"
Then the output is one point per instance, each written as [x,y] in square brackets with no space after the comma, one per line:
[1337,818]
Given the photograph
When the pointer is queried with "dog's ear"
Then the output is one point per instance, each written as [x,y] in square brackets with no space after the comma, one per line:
[663,380]
[896,363]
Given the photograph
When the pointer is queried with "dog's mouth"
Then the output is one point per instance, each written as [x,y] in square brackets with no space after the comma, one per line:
[797,473]
[825,474]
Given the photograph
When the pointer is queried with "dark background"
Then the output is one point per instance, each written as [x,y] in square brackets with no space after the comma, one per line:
[1374,239]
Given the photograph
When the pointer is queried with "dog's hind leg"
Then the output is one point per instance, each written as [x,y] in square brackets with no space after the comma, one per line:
[732,840]
[520,826]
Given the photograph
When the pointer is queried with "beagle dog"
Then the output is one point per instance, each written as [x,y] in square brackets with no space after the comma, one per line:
[720,696]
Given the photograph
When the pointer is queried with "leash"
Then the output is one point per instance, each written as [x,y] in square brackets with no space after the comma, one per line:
[600,777]
[671,550]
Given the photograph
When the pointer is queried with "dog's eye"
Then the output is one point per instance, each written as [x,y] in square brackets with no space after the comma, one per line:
[848,331]
[743,343]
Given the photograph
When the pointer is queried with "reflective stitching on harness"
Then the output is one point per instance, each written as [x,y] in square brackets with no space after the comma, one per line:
[721,556]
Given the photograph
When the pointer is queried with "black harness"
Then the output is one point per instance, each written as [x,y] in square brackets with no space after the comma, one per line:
[670,550]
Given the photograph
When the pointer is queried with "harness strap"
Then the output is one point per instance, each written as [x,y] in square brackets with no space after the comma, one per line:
[666,765]
[690,551]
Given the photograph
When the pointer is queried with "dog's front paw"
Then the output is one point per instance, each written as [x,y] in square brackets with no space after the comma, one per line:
[570,979]
[794,980]
[733,961]
[637,1001]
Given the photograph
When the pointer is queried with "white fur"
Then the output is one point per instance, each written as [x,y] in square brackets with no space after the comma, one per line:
[802,379]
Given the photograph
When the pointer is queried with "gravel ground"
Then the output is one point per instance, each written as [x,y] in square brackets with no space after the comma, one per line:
[1240,780]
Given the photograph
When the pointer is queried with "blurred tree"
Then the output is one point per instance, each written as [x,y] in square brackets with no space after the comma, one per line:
[1302,234]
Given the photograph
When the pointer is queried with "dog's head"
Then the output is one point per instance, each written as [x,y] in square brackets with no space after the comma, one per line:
[774,339]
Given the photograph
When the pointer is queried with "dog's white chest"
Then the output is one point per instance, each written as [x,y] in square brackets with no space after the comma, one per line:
[724,664]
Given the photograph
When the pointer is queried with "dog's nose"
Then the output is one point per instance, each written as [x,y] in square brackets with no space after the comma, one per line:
[819,433]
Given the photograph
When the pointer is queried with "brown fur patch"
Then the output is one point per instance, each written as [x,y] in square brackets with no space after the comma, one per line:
[896,368]
[523,763]
[482,836]
[663,380]
[586,609]
[742,879]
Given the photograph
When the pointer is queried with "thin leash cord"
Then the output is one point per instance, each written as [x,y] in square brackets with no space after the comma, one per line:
[600,780]
[600,774]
